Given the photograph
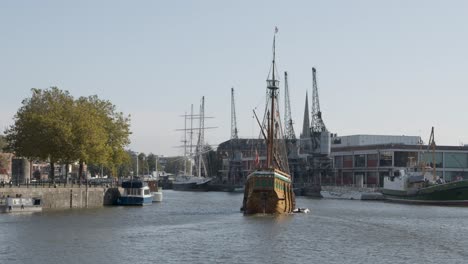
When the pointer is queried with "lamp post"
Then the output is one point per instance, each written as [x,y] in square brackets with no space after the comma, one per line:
[136,164]
[156,167]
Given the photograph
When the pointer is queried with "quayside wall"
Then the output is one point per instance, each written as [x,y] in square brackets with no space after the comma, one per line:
[67,197]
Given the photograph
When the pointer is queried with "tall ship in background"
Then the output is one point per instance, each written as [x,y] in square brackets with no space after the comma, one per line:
[268,189]
[187,181]
[232,176]
[421,185]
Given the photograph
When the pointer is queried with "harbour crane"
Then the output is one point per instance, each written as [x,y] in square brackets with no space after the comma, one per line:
[290,136]
[320,137]
[288,123]
[317,122]
[235,159]
[318,126]
[233,117]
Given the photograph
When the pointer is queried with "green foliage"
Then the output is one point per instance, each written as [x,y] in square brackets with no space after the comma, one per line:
[3,143]
[214,163]
[4,162]
[175,165]
[52,126]
[42,127]
[151,159]
[124,169]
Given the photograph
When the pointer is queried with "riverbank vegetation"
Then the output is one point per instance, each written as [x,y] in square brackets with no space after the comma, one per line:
[53,126]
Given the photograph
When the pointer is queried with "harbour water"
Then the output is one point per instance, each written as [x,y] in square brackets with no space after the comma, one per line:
[191,227]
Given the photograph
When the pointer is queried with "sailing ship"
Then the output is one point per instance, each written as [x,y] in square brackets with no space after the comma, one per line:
[268,189]
[421,186]
[187,181]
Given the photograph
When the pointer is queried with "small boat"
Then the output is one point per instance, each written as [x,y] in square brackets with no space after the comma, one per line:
[268,190]
[155,191]
[239,189]
[20,205]
[301,211]
[136,192]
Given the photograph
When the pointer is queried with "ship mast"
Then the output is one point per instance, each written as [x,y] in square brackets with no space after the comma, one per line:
[272,85]
[432,144]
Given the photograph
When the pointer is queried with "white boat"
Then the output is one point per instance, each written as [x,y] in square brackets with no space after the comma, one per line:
[20,205]
[157,196]
[155,191]
[301,211]
[136,192]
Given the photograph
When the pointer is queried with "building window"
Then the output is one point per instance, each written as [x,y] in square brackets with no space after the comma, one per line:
[456,160]
[385,159]
[372,179]
[348,178]
[339,162]
[428,159]
[372,160]
[405,159]
[348,161]
[359,161]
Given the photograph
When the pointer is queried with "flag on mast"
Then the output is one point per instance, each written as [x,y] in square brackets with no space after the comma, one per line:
[276,30]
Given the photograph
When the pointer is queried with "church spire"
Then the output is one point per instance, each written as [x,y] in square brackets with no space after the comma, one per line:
[306,125]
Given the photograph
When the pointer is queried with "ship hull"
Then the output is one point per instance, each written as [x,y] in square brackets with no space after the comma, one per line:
[192,185]
[452,193]
[268,192]
[135,200]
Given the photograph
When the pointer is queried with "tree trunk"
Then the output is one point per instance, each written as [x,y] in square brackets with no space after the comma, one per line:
[66,172]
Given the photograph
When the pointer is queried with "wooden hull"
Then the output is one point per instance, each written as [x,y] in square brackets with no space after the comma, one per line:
[268,192]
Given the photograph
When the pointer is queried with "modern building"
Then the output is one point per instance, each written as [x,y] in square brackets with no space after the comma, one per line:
[364,160]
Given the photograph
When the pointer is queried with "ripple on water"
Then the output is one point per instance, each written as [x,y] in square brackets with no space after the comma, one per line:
[208,228]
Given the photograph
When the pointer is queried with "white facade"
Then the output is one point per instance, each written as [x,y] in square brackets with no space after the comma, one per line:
[366,140]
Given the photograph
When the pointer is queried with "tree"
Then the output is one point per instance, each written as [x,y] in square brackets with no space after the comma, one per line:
[3,143]
[152,162]
[124,169]
[100,133]
[52,126]
[213,162]
[175,165]
[43,127]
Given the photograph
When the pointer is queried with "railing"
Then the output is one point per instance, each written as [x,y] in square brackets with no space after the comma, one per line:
[105,183]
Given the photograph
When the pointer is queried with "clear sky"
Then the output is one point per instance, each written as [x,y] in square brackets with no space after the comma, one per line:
[384,67]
